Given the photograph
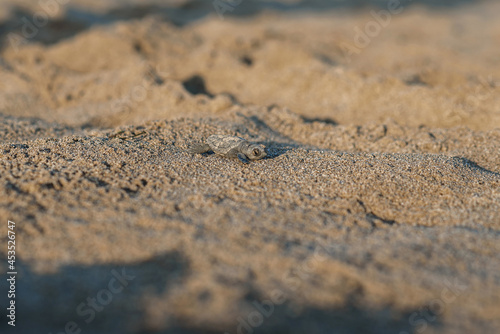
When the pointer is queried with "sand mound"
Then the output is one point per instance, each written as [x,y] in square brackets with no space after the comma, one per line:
[376,210]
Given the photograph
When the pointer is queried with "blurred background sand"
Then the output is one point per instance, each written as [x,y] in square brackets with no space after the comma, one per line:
[377,210]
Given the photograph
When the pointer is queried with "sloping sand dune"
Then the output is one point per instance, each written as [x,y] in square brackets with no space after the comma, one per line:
[377,209]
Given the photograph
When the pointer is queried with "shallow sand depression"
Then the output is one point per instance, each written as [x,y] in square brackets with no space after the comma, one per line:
[376,210]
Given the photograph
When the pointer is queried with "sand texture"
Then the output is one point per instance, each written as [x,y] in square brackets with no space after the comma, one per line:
[377,209]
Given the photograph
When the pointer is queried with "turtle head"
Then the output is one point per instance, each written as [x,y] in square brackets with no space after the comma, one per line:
[255,152]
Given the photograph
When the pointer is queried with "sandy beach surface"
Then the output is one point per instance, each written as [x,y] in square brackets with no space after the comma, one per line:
[377,209]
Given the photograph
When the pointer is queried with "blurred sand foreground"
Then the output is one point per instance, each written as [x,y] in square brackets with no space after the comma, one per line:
[377,210]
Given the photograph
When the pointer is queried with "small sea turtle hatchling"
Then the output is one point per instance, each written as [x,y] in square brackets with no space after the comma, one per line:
[231,147]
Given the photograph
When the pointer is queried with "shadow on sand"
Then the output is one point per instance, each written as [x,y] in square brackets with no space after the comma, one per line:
[112,298]
[76,20]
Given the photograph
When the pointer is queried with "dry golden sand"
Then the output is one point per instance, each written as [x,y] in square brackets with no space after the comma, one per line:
[376,211]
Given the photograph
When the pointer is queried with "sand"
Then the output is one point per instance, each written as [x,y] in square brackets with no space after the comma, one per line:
[377,209]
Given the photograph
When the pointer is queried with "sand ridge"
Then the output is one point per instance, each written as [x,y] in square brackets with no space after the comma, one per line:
[375,211]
